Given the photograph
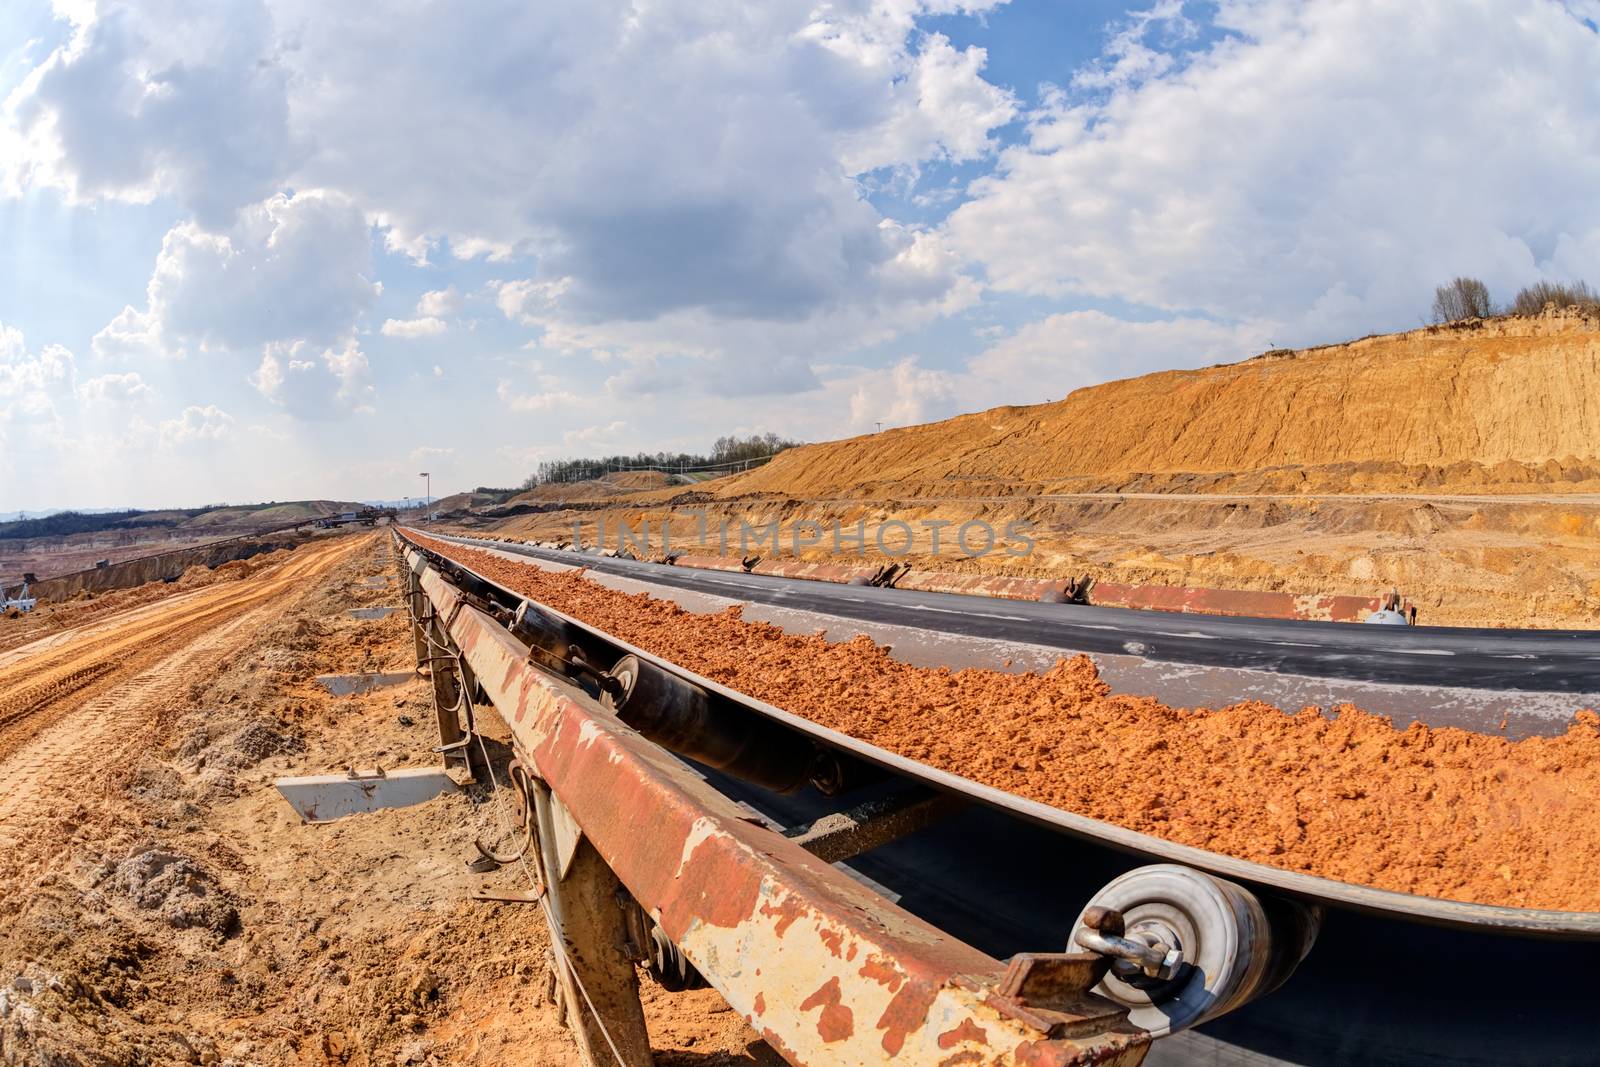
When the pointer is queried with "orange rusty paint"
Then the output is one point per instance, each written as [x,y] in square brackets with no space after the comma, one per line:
[957,1059]
[906,1013]
[837,573]
[787,911]
[1268,604]
[834,940]
[979,585]
[837,1022]
[710,563]
[881,971]
[967,1030]
[773,1038]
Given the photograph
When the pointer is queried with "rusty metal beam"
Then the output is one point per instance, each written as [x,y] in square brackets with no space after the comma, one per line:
[1255,603]
[840,573]
[826,970]
[710,563]
[846,834]
[980,584]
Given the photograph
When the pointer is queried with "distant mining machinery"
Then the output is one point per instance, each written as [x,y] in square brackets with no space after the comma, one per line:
[364,517]
[18,604]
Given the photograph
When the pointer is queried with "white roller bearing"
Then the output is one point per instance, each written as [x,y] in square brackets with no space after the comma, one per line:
[1231,950]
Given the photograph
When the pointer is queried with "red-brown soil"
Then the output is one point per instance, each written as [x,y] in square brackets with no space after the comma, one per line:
[1438,812]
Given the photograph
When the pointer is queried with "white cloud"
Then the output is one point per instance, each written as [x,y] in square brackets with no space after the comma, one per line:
[283,288]
[432,309]
[739,355]
[1319,169]
[1047,359]
[1129,59]
[181,98]
[439,303]
[691,157]
[315,384]
[195,425]
[131,335]
[23,373]
[942,109]
[527,301]
[33,385]
[411,328]
[601,436]
[292,269]
[901,395]
[1043,360]
[116,390]
[549,399]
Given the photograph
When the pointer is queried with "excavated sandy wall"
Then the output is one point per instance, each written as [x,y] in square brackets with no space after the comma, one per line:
[1507,401]
[165,566]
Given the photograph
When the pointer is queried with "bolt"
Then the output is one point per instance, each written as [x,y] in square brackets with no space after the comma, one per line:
[1106,920]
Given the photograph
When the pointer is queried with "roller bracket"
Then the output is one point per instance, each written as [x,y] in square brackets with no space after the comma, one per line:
[1050,991]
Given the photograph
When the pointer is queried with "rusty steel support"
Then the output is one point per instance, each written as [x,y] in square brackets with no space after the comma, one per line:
[448,695]
[599,984]
[826,970]
[435,651]
[421,611]
[845,834]
[473,756]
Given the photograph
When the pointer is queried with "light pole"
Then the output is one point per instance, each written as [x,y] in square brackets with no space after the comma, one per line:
[428,489]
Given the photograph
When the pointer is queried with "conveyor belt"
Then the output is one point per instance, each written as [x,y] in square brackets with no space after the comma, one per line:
[1530,922]
[1558,661]
[1394,979]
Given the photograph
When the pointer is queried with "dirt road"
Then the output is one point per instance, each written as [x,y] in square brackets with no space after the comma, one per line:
[121,659]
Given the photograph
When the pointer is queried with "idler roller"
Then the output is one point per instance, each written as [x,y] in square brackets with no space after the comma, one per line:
[551,640]
[681,716]
[1187,947]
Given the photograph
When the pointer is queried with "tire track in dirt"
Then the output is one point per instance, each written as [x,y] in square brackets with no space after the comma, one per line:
[39,690]
[100,701]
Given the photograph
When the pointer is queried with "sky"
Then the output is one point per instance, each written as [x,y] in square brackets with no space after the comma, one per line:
[284,249]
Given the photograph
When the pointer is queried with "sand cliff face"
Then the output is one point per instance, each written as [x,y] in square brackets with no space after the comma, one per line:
[1506,404]
[1508,409]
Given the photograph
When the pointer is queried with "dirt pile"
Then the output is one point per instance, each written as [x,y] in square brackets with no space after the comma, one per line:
[1439,812]
[182,893]
[1507,403]
[608,487]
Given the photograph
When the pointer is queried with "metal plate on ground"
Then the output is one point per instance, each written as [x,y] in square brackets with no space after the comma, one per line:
[320,798]
[344,685]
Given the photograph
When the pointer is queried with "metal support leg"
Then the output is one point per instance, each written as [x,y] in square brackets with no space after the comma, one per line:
[420,610]
[476,760]
[601,988]
[446,695]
